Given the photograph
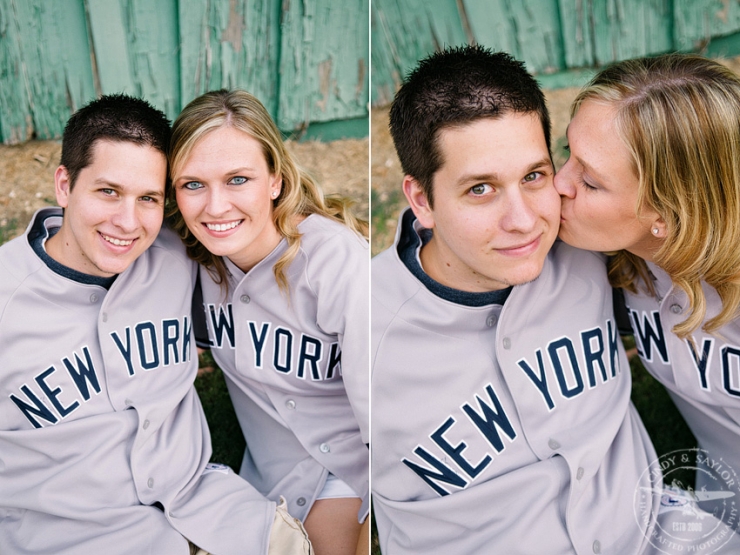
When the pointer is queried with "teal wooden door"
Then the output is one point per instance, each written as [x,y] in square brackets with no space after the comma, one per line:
[307,61]
[553,37]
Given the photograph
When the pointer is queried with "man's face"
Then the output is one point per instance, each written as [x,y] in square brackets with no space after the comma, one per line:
[115,210]
[496,211]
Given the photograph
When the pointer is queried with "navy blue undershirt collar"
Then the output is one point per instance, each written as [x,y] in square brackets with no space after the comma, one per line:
[37,237]
[409,245]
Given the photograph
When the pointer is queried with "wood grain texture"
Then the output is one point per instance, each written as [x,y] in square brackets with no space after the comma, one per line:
[230,44]
[45,64]
[324,57]
[529,30]
[405,31]
[135,45]
[696,22]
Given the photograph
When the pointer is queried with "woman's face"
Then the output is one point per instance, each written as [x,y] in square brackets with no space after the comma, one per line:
[225,192]
[598,189]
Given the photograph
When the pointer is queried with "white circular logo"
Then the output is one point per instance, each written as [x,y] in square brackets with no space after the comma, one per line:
[692,517]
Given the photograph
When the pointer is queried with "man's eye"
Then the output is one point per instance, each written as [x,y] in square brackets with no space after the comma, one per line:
[481,189]
[532,176]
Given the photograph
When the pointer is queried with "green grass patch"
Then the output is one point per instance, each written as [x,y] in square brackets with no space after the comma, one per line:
[226,435]
[383,209]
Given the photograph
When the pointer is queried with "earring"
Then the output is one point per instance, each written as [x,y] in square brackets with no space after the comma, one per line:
[655,231]
[275,194]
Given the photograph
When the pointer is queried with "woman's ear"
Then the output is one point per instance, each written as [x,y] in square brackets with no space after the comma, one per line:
[658,228]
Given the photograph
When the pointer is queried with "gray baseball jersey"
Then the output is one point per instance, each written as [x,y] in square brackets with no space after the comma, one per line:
[702,378]
[297,368]
[104,446]
[505,429]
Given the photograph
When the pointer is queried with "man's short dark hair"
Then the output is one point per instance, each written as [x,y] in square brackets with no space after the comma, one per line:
[115,117]
[452,88]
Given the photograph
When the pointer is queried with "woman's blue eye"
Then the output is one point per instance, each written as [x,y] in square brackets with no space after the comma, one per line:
[238,180]
[192,185]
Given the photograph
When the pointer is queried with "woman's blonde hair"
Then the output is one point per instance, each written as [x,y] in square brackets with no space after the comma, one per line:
[299,196]
[679,116]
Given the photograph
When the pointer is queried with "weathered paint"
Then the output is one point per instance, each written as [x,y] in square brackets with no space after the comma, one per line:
[230,44]
[403,32]
[45,64]
[598,32]
[529,30]
[56,55]
[135,44]
[696,22]
[323,73]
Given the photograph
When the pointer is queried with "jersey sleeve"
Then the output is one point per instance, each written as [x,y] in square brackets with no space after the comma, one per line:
[339,275]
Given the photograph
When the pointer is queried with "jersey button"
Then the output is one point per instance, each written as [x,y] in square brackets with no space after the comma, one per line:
[300,501]
[105,316]
[128,402]
[507,343]
[491,321]
[597,546]
[94,298]
[245,299]
[324,448]
[676,308]
[290,403]
[146,424]
[579,473]
[553,444]
[150,483]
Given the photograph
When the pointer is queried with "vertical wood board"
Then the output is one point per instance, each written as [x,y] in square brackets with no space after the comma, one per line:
[15,117]
[55,63]
[136,45]
[599,32]
[696,22]
[230,44]
[529,30]
[323,73]
[406,31]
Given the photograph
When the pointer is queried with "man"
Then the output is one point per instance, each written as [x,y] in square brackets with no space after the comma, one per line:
[104,446]
[501,414]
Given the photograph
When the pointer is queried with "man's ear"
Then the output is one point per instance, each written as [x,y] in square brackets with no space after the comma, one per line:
[418,201]
[62,186]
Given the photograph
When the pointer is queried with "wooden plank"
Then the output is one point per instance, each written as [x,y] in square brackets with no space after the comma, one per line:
[598,32]
[15,117]
[696,22]
[57,80]
[403,33]
[529,30]
[230,44]
[323,72]
[135,44]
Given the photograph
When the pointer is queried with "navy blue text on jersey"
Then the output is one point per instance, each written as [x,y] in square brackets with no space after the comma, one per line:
[60,389]
[276,346]
[564,369]
[650,340]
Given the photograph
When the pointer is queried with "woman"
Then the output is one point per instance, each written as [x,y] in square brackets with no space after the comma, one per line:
[284,277]
[654,178]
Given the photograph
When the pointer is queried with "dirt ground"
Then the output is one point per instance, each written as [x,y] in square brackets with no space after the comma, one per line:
[27,176]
